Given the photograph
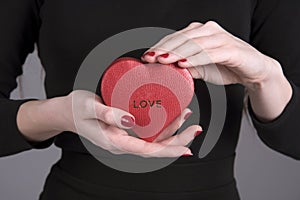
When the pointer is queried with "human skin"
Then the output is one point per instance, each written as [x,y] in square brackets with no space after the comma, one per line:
[83,112]
[199,47]
[195,47]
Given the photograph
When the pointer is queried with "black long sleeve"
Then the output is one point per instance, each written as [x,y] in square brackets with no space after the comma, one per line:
[19,31]
[276,34]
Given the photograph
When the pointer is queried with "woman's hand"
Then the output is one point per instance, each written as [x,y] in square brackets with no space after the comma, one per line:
[216,56]
[82,112]
[199,46]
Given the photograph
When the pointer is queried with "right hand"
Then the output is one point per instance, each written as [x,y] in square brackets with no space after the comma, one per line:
[104,126]
[83,112]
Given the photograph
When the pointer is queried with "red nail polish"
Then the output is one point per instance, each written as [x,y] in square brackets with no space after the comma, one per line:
[187,115]
[127,121]
[182,60]
[187,155]
[165,55]
[198,133]
[150,53]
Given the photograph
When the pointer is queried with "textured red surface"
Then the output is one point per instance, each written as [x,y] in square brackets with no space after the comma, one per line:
[154,93]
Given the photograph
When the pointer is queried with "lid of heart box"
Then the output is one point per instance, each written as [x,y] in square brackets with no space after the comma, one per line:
[155,94]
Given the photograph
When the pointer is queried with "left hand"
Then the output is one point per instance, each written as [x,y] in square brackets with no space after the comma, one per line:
[199,46]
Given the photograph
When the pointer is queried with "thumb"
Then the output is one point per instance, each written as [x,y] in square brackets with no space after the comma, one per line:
[114,116]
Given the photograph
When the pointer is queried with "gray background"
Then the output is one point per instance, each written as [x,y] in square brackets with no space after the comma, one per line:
[261,173]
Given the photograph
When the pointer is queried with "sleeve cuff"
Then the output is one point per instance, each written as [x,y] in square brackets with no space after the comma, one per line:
[12,140]
[280,134]
[281,119]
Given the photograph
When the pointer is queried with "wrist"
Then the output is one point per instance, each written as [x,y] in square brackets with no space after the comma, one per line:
[58,113]
[64,113]
[41,120]
[270,95]
[273,75]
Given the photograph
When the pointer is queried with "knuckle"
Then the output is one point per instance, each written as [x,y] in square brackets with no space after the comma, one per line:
[71,94]
[212,24]
[106,113]
[194,24]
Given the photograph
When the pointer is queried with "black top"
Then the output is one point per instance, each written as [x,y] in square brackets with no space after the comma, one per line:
[67,30]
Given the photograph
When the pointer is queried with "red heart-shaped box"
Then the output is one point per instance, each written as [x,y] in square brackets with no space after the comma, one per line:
[155,94]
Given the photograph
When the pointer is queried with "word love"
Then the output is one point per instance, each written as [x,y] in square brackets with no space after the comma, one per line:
[147,103]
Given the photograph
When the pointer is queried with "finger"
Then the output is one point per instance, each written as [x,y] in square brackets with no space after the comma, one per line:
[199,59]
[220,55]
[118,141]
[185,137]
[216,74]
[131,145]
[161,51]
[195,46]
[98,132]
[174,126]
[170,152]
[197,72]
[151,54]
[114,116]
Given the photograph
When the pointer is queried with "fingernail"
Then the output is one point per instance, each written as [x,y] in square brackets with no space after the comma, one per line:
[198,133]
[182,60]
[127,121]
[165,55]
[150,53]
[187,115]
[187,155]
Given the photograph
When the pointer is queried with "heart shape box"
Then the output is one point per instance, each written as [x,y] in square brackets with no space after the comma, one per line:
[155,94]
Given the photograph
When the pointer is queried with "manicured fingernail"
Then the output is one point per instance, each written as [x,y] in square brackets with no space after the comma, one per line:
[187,155]
[182,60]
[150,53]
[198,133]
[127,121]
[165,55]
[187,115]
